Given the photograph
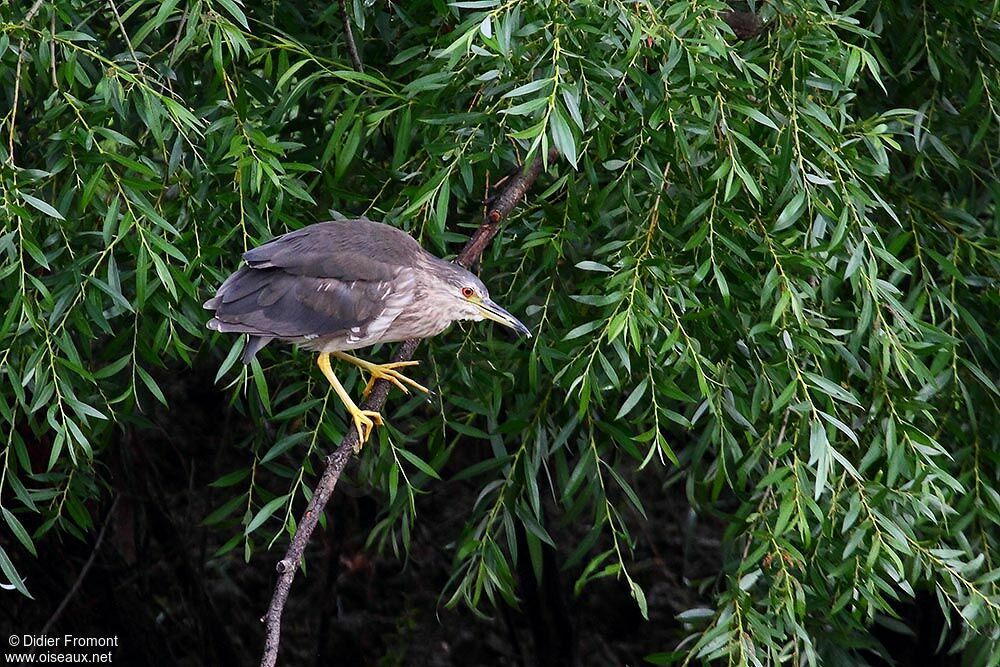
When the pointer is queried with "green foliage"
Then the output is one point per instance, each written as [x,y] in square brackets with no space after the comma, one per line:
[765,269]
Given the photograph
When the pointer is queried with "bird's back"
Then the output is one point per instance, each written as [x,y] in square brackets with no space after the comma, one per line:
[348,249]
[332,285]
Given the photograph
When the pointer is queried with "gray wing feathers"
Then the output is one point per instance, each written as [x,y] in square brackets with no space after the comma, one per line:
[343,278]
[271,302]
[346,249]
[254,345]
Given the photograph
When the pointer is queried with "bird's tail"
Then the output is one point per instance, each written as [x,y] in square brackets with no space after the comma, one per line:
[254,345]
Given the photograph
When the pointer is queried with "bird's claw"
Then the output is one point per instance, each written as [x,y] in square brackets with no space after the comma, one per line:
[389,373]
[365,422]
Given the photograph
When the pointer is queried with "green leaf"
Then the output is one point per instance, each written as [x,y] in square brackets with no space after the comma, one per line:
[13,577]
[819,454]
[640,598]
[283,445]
[529,87]
[225,510]
[42,206]
[261,383]
[150,383]
[441,209]
[633,398]
[582,330]
[792,212]
[562,136]
[234,10]
[831,389]
[19,532]
[588,265]
[420,464]
[265,513]
[229,479]
[750,112]
[533,527]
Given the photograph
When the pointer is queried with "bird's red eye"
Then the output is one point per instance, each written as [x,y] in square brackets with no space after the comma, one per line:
[467,292]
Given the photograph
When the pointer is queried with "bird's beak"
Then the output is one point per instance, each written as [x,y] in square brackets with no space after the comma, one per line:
[491,311]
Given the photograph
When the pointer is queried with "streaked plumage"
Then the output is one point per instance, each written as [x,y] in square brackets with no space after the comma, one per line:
[343,285]
[333,286]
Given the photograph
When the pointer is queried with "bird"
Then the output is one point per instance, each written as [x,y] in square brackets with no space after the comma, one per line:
[334,287]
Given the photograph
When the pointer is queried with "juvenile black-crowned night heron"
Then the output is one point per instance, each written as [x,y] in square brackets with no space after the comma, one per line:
[347,284]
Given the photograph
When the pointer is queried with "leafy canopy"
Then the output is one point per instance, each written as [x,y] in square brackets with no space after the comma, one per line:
[762,269]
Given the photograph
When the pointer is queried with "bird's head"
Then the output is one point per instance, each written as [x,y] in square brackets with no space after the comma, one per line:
[469,300]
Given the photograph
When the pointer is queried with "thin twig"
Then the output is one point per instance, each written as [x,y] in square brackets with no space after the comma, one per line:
[352,48]
[180,31]
[17,80]
[83,573]
[13,107]
[34,10]
[52,53]
[501,206]
[128,40]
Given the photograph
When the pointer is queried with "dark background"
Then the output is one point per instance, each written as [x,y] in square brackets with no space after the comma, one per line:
[155,584]
[147,573]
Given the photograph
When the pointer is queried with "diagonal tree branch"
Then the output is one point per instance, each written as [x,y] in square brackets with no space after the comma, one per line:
[500,207]
[352,48]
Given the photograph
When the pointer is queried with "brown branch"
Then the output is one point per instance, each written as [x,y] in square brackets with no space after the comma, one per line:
[352,48]
[503,203]
[34,10]
[501,206]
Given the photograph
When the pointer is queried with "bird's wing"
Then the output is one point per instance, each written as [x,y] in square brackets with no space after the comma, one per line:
[346,249]
[350,278]
[270,301]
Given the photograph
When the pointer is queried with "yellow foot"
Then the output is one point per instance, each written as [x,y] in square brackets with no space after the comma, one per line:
[383,372]
[365,421]
[388,372]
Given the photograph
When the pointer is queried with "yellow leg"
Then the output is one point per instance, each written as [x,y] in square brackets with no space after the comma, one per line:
[364,420]
[384,372]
